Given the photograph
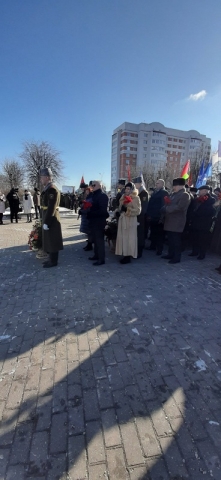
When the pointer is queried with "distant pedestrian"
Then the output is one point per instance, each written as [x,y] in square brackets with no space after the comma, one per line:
[28,205]
[13,200]
[37,202]
[2,207]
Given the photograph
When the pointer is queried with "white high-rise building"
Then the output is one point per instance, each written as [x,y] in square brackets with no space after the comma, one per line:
[153,144]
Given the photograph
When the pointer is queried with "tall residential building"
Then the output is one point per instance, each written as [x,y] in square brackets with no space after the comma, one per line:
[143,144]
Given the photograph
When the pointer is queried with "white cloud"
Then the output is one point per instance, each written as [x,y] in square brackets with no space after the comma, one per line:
[198,96]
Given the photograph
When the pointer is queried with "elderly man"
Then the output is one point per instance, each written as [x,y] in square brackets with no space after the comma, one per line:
[156,202]
[175,211]
[97,216]
[51,230]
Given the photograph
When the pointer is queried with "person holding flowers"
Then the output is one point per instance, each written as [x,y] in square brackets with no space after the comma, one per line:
[128,210]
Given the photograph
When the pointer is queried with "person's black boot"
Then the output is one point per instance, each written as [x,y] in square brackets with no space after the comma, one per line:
[88,247]
[125,260]
[139,252]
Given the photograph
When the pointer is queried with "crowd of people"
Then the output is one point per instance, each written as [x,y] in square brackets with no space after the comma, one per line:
[185,217]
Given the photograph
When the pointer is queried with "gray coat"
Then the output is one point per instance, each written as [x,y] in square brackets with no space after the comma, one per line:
[175,213]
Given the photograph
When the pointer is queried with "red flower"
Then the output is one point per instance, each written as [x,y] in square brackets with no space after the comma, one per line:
[86,204]
[127,199]
[203,198]
[167,200]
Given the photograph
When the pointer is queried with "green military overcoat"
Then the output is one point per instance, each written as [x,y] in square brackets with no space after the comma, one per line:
[52,238]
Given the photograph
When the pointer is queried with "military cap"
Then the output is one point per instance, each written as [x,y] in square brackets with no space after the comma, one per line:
[137,180]
[121,181]
[204,187]
[193,189]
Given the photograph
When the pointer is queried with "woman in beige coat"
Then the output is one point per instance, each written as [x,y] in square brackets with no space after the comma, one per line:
[129,208]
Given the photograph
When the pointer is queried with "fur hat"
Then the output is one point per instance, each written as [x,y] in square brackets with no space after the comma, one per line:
[130,185]
[45,172]
[179,181]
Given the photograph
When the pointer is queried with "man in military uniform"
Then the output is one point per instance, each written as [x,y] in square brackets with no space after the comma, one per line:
[121,189]
[141,219]
[51,225]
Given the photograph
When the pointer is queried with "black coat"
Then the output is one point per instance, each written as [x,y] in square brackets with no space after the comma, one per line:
[202,214]
[52,238]
[156,202]
[141,219]
[98,212]
[13,200]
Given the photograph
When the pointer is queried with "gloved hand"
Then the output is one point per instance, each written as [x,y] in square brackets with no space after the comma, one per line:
[45,227]
[123,208]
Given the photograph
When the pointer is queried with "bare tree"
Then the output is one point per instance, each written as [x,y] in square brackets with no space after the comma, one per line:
[40,154]
[12,173]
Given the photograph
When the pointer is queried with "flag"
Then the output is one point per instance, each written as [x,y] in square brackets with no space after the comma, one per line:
[186,170]
[207,173]
[200,175]
[219,149]
[128,174]
[82,179]
[142,180]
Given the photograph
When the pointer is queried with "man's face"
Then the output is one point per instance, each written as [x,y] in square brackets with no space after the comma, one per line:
[120,187]
[176,188]
[203,192]
[159,185]
[95,186]
[137,185]
[44,180]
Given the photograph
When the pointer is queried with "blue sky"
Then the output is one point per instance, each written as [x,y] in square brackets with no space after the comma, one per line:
[73,70]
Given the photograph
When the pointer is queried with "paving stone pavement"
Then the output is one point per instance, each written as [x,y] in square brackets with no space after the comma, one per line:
[110,372]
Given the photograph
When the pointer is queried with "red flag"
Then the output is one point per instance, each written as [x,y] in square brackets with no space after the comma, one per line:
[186,170]
[82,179]
[128,174]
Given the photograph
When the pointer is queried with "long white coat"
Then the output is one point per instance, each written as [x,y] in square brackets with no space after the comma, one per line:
[28,204]
[2,203]
[126,243]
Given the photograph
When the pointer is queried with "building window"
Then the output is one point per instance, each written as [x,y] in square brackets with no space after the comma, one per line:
[145,149]
[145,142]
[145,134]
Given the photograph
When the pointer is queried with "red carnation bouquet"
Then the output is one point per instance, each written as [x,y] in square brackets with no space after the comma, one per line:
[86,204]
[127,199]
[167,200]
[203,198]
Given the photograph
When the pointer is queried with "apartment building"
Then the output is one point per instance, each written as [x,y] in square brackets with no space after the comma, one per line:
[152,144]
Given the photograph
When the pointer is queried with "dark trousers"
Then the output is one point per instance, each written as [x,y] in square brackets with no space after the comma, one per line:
[53,257]
[14,214]
[200,242]
[1,218]
[174,245]
[157,236]
[37,211]
[98,240]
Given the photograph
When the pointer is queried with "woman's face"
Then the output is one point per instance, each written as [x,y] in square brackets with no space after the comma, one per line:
[127,191]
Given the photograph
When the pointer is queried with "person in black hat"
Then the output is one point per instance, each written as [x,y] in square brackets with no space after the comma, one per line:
[121,188]
[141,219]
[13,200]
[175,218]
[201,221]
[97,215]
[51,230]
